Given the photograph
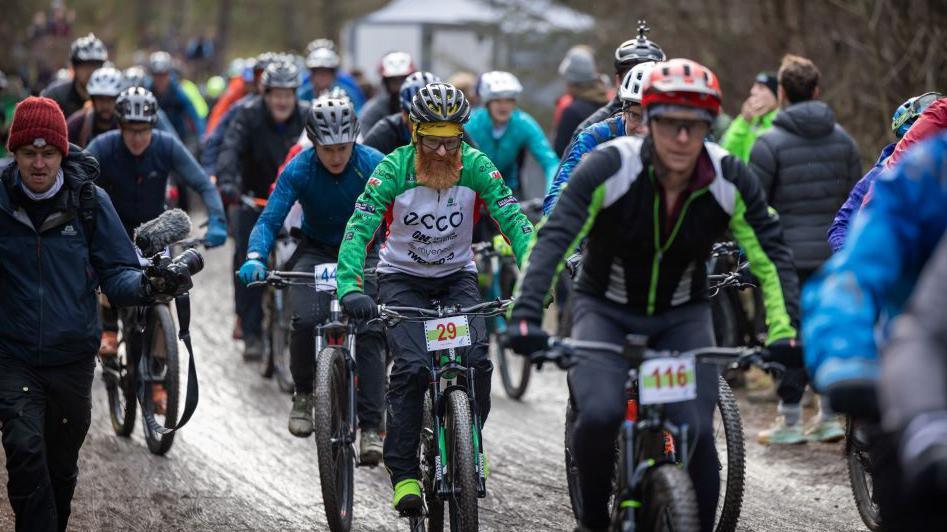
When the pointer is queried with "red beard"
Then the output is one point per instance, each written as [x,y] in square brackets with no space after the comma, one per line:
[437,173]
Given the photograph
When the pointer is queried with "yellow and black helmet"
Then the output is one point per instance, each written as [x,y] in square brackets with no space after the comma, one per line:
[439,102]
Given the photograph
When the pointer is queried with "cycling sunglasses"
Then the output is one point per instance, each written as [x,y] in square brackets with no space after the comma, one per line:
[433,143]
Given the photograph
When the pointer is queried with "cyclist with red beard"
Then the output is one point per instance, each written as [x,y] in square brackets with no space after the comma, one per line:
[430,192]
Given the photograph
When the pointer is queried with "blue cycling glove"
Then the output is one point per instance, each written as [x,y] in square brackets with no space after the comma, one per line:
[216,234]
[252,270]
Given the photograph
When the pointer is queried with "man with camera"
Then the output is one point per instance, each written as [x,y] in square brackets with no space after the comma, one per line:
[61,239]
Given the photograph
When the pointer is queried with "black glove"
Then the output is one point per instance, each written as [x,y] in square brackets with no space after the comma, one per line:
[923,456]
[787,352]
[229,193]
[526,337]
[359,306]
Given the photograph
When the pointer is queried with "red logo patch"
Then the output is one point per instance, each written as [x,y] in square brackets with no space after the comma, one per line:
[374,182]
[496,174]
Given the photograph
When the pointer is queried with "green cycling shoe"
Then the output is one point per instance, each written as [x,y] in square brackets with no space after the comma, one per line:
[408,496]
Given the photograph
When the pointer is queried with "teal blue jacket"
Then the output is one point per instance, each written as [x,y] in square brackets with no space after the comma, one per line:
[521,132]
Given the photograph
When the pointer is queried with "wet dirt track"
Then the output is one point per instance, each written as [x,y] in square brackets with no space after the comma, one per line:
[235,466]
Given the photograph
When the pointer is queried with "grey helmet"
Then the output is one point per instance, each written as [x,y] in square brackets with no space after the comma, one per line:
[498,85]
[281,75]
[135,76]
[160,63]
[332,121]
[336,93]
[412,84]
[320,43]
[638,50]
[137,104]
[322,58]
[88,49]
[105,81]
[439,102]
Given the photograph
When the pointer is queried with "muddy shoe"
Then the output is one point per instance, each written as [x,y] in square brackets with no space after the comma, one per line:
[300,417]
[825,431]
[370,446]
[781,434]
[408,496]
[252,348]
[108,346]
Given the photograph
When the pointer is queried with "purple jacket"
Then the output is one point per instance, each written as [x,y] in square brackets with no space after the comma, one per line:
[839,228]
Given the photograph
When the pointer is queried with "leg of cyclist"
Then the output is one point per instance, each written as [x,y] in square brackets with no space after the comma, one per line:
[463,291]
[597,383]
[409,378]
[370,358]
[248,301]
[307,309]
[684,328]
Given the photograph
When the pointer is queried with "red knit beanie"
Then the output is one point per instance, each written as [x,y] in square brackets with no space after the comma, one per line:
[38,118]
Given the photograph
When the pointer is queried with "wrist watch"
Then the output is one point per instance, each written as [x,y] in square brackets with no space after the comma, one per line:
[253,255]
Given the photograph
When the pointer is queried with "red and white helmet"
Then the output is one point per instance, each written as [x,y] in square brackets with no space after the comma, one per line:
[396,64]
[683,82]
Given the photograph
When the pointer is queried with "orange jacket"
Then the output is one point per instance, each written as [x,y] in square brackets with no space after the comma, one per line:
[236,89]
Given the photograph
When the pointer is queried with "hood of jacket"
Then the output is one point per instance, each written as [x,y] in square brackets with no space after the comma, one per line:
[811,119]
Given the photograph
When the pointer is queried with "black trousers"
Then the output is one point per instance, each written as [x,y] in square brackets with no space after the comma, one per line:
[45,414]
[247,301]
[597,385]
[308,308]
[792,386]
[411,372]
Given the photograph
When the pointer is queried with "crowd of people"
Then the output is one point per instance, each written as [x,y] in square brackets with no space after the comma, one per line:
[643,174]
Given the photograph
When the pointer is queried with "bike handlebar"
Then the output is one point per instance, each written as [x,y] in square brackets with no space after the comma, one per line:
[398,313]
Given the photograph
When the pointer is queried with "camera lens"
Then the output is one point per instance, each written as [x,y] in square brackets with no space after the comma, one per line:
[190,259]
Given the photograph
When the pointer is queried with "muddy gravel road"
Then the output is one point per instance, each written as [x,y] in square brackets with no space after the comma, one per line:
[235,466]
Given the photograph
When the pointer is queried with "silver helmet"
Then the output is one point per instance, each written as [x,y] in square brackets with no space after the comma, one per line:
[160,63]
[137,104]
[87,49]
[322,58]
[332,121]
[105,81]
[281,75]
[498,85]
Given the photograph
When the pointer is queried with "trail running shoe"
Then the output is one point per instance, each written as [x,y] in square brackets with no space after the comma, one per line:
[825,431]
[370,447]
[300,417]
[781,434]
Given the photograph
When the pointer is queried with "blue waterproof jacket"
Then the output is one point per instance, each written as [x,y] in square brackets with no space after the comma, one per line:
[48,275]
[137,184]
[839,228]
[891,240]
[180,111]
[327,200]
[522,132]
[585,142]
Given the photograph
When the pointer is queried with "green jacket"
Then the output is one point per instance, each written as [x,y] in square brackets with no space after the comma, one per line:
[429,231]
[741,135]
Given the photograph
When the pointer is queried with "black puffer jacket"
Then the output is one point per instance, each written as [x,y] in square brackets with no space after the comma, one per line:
[65,94]
[255,146]
[806,165]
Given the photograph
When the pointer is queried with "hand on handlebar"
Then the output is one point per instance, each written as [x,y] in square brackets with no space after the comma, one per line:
[359,306]
[786,352]
[253,270]
[525,337]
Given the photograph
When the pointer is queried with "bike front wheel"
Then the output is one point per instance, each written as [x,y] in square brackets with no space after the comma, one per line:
[858,460]
[461,463]
[669,503]
[336,455]
[515,370]
[728,433]
[119,375]
[164,358]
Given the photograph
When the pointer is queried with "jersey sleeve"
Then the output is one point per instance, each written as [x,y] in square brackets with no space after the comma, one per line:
[559,236]
[541,150]
[370,207]
[582,145]
[760,235]
[184,165]
[503,207]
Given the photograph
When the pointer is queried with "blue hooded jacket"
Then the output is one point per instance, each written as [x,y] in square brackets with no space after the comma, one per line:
[585,142]
[839,228]
[875,272]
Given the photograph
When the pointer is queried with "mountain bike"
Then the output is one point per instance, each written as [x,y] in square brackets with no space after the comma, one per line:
[732,327]
[334,394]
[453,468]
[277,318]
[515,371]
[651,487]
[860,431]
[148,364]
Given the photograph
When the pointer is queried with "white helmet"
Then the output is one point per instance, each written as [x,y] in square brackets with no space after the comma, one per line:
[88,48]
[396,64]
[632,85]
[135,76]
[498,85]
[322,58]
[137,104]
[331,121]
[105,81]
[160,63]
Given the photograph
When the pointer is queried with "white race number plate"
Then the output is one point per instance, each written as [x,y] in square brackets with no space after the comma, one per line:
[445,333]
[667,380]
[325,277]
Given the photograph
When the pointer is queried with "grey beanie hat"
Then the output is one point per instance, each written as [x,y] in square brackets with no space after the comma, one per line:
[578,66]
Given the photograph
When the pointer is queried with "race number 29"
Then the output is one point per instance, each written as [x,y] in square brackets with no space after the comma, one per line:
[445,333]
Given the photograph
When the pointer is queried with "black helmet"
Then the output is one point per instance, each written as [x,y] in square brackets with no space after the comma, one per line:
[88,49]
[637,50]
[281,75]
[439,102]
